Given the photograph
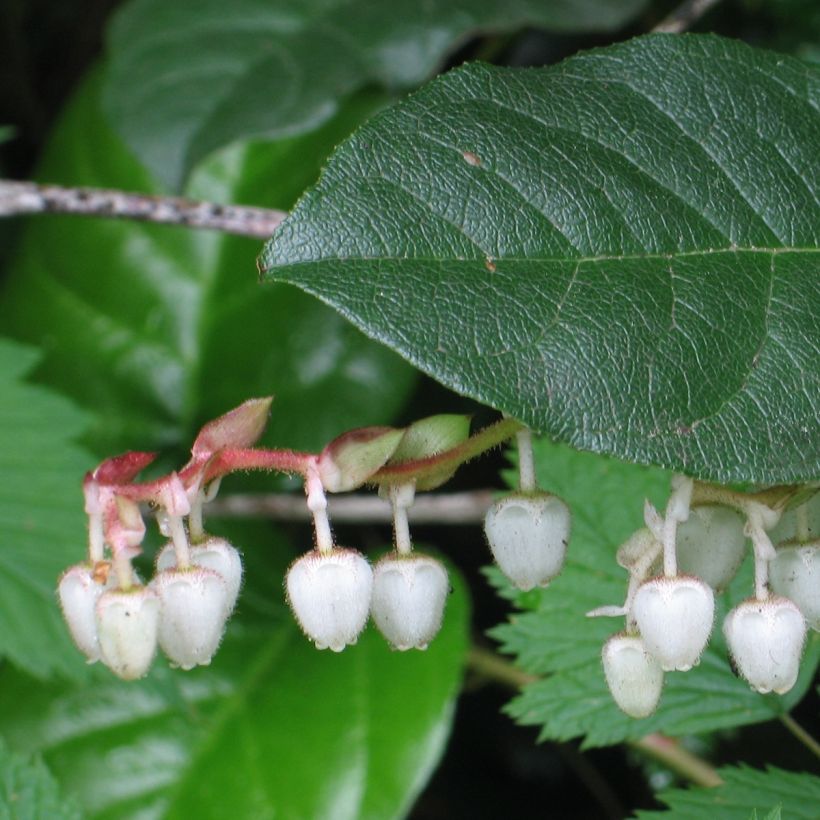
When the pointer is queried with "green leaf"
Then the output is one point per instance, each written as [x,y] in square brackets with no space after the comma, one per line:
[190,76]
[554,639]
[29,792]
[158,330]
[620,251]
[272,728]
[41,516]
[744,791]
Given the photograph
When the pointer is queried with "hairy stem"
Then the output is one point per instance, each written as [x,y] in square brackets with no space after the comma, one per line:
[30,198]
[526,461]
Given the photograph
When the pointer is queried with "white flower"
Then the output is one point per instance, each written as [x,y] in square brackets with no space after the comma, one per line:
[193,615]
[711,545]
[79,589]
[528,537]
[633,676]
[330,596]
[675,616]
[795,574]
[127,624]
[409,593]
[766,640]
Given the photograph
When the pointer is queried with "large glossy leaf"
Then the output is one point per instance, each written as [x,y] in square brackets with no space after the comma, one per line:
[158,329]
[29,792]
[621,251]
[41,516]
[553,638]
[272,728]
[190,76]
[745,794]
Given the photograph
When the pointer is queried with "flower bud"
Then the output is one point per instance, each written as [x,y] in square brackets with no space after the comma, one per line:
[216,554]
[711,545]
[795,574]
[127,625]
[675,616]
[79,589]
[766,640]
[330,596]
[409,593]
[528,537]
[193,614]
[633,676]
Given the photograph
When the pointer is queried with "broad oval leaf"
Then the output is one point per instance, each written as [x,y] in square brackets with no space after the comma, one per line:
[190,76]
[158,329]
[620,251]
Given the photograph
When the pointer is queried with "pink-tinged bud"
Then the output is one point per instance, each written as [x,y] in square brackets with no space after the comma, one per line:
[330,596]
[766,641]
[795,574]
[633,676]
[193,613]
[711,545]
[79,589]
[127,627]
[528,536]
[240,427]
[215,554]
[675,616]
[409,593]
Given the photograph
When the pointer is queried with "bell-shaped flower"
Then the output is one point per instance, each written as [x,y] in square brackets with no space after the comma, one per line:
[766,640]
[330,594]
[528,536]
[675,617]
[193,614]
[633,676]
[795,574]
[409,593]
[127,626]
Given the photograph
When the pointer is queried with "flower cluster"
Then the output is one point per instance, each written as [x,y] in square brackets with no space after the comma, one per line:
[677,563]
[115,618]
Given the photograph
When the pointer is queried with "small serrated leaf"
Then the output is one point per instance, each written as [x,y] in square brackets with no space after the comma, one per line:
[744,791]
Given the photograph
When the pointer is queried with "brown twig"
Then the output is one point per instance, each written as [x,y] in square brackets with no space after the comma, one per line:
[428,508]
[684,16]
[30,198]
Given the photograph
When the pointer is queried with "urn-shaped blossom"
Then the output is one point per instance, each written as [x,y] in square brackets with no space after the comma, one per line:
[711,545]
[795,574]
[766,640]
[330,594]
[193,614]
[79,589]
[633,676]
[409,593]
[127,626]
[528,536]
[675,616]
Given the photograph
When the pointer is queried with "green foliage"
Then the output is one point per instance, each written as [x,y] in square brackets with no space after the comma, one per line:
[745,792]
[187,78]
[156,330]
[621,250]
[553,639]
[272,727]
[29,792]
[41,516]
